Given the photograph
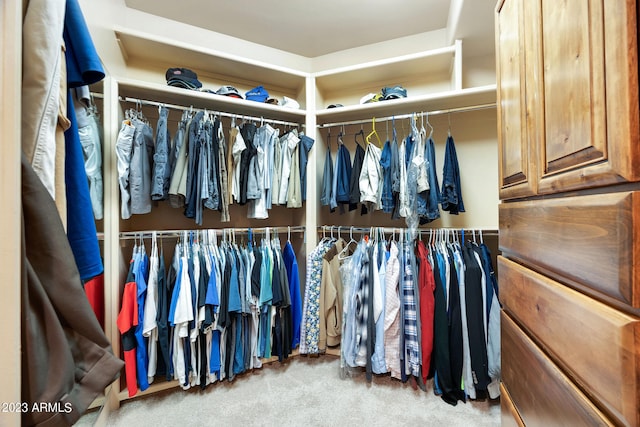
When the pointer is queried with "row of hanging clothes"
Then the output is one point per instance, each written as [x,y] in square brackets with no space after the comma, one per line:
[409,308]
[203,167]
[398,177]
[212,311]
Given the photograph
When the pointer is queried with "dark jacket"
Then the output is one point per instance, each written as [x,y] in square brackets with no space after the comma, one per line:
[66,358]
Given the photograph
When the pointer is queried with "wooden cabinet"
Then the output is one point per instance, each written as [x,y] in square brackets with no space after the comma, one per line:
[568,90]
[569,232]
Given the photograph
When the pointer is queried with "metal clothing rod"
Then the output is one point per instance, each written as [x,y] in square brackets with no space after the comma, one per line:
[407,116]
[220,113]
[386,230]
[127,235]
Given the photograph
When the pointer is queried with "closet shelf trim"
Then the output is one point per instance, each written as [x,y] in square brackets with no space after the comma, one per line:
[219,113]
[407,116]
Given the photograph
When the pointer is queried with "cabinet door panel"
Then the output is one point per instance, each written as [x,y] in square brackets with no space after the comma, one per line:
[543,395]
[589,118]
[594,342]
[514,151]
[573,83]
[591,241]
[509,416]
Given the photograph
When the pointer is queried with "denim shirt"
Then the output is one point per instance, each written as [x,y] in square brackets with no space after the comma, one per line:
[433,212]
[386,163]
[451,193]
[161,165]
[343,175]
[327,180]
[306,143]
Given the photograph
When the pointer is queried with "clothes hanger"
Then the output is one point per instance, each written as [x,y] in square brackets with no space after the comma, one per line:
[449,119]
[374,133]
[430,127]
[344,253]
[361,133]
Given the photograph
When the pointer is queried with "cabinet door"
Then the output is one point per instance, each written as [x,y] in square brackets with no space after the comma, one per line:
[514,150]
[590,94]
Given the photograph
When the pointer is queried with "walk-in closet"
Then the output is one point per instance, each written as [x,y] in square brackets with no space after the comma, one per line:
[322,214]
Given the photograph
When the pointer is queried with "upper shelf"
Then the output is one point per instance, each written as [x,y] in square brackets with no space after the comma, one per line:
[146,91]
[458,99]
[144,48]
[442,61]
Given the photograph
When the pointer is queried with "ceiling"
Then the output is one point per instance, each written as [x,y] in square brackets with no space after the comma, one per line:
[313,28]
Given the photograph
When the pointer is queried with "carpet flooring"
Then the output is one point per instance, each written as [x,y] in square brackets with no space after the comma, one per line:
[302,392]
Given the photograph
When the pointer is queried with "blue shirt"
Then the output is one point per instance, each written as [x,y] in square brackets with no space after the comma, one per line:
[291,264]
[83,68]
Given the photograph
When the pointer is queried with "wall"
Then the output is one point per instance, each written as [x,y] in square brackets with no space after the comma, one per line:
[10,217]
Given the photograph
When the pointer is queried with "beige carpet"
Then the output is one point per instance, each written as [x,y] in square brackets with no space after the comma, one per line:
[301,392]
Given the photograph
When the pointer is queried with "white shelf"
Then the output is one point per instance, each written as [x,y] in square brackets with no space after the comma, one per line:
[433,62]
[140,48]
[203,100]
[462,98]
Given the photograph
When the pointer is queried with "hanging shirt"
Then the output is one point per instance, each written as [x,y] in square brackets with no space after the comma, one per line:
[150,324]
[392,313]
[451,189]
[140,268]
[342,176]
[127,322]
[291,142]
[327,180]
[237,148]
[371,178]
[354,185]
[294,191]
[291,264]
[305,146]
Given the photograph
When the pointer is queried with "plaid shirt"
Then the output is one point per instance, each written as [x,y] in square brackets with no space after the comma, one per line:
[411,343]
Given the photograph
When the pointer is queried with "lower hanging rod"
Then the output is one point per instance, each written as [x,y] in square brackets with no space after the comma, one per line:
[416,114]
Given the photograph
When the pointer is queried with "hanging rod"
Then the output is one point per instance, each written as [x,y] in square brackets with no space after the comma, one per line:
[220,113]
[386,230]
[127,235]
[407,116]
[183,108]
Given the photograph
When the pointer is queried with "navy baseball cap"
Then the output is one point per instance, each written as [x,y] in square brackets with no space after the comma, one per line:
[182,77]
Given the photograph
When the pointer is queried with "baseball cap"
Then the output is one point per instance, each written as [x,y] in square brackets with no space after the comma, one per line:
[258,94]
[370,97]
[182,77]
[229,91]
[335,106]
[394,92]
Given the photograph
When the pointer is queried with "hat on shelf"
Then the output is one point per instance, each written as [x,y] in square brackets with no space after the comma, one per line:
[335,106]
[290,103]
[229,91]
[370,97]
[273,101]
[258,94]
[394,92]
[183,77]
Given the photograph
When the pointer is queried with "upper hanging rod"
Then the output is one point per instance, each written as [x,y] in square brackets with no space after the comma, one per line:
[407,116]
[220,113]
